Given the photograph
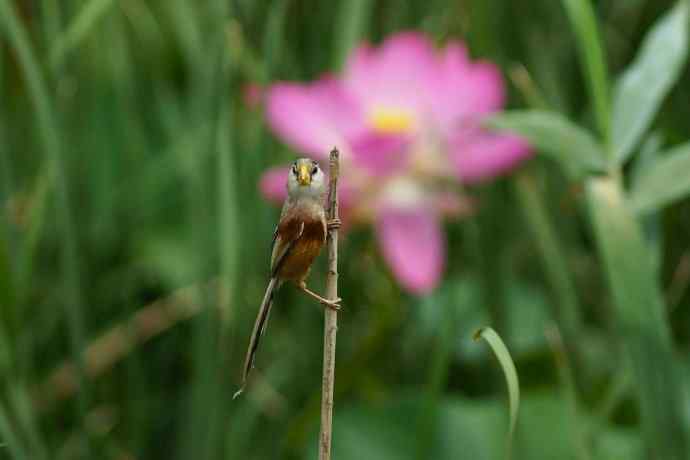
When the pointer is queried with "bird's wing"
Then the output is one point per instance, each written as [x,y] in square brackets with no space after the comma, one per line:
[283,244]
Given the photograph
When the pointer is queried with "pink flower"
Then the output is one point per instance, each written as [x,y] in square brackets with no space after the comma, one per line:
[407,119]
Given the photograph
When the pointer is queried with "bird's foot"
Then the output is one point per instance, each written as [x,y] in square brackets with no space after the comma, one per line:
[332,304]
[334,224]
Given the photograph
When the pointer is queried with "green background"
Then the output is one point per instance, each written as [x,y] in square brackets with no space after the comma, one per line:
[134,243]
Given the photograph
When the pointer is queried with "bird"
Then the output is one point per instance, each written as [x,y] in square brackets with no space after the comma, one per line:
[297,240]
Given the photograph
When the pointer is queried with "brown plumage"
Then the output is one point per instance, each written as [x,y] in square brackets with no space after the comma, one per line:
[304,232]
[298,239]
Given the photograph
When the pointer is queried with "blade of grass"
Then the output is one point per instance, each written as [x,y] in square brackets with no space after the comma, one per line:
[8,314]
[642,88]
[228,211]
[50,140]
[85,21]
[567,379]
[640,317]
[618,389]
[566,308]
[489,248]
[510,373]
[8,297]
[592,59]
[648,156]
[572,146]
[274,40]
[200,434]
[485,19]
[119,341]
[442,357]
[26,417]
[51,21]
[664,182]
[652,222]
[37,213]
[184,18]
[353,21]
[8,437]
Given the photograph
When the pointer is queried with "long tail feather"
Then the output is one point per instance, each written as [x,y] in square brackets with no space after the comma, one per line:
[259,326]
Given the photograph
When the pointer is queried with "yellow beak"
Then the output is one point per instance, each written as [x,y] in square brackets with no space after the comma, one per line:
[303,176]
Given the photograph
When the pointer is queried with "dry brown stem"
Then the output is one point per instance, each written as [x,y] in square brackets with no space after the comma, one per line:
[331,316]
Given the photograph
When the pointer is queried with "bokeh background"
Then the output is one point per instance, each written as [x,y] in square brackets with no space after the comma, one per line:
[134,238]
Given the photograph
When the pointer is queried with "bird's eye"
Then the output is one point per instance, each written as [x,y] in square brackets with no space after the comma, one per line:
[314,169]
[294,168]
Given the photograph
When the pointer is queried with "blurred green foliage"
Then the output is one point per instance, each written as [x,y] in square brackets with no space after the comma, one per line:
[134,243]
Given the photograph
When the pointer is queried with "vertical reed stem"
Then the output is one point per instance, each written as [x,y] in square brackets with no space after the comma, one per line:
[331,316]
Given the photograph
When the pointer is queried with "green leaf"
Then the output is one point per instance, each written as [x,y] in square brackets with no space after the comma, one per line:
[664,182]
[506,362]
[641,89]
[85,21]
[556,136]
[651,222]
[584,23]
[640,318]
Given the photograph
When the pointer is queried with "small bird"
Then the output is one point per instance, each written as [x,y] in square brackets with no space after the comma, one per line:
[297,240]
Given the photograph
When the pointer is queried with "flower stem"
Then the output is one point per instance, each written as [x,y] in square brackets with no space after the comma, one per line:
[331,316]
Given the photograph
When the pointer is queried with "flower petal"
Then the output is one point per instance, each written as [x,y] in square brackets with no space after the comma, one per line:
[480,156]
[380,154]
[413,245]
[314,117]
[390,76]
[460,88]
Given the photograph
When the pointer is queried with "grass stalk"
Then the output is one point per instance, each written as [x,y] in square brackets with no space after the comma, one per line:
[566,309]
[50,139]
[427,424]
[641,320]
[593,62]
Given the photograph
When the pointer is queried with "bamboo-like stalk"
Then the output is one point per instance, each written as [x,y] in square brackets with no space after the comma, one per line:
[331,316]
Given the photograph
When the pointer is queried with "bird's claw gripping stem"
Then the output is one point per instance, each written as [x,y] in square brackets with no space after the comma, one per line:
[334,224]
[332,304]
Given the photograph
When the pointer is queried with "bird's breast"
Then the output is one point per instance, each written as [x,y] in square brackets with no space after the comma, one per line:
[306,246]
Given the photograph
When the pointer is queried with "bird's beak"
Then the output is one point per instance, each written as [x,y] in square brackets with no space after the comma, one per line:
[303,175]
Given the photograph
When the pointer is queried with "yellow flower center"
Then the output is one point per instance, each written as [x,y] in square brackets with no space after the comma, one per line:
[391,121]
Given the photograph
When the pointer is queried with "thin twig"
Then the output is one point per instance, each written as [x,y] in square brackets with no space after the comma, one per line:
[331,316]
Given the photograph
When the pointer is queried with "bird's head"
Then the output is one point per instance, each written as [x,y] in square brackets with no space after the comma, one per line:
[306,179]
